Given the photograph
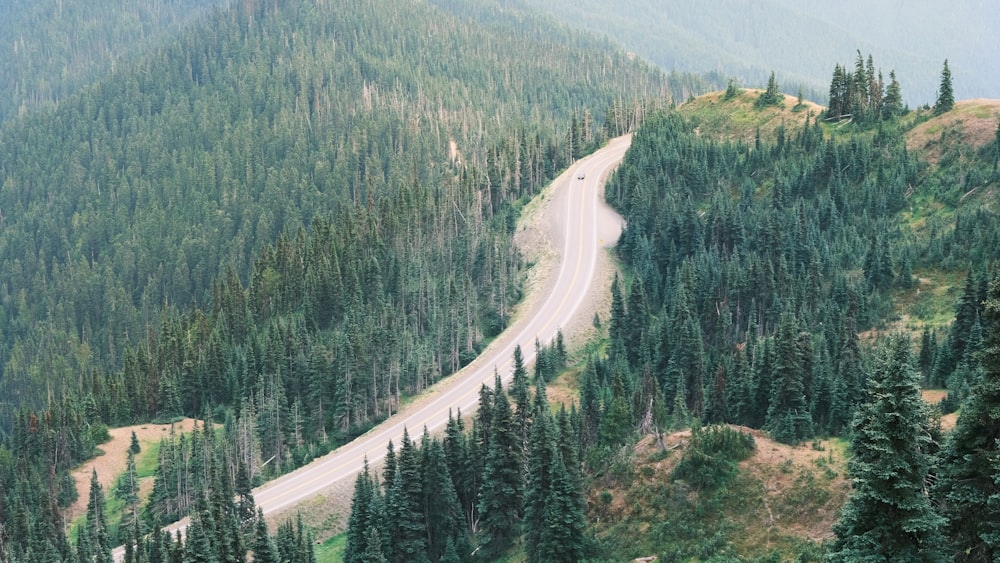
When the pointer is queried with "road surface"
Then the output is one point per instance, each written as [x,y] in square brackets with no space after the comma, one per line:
[581,224]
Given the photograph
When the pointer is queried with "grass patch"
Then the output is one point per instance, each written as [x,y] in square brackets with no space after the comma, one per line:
[148,459]
[736,118]
[332,550]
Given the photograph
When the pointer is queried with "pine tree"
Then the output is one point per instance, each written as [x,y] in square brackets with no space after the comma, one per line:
[502,494]
[127,487]
[892,105]
[946,97]
[590,405]
[389,466]
[442,512]
[245,504]
[888,516]
[373,547]
[134,446]
[98,540]
[617,330]
[520,394]
[262,546]
[363,516]
[788,416]
[771,96]
[404,507]
[968,489]
[562,537]
[541,453]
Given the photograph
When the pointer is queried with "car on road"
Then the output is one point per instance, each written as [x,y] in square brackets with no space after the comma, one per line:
[581,175]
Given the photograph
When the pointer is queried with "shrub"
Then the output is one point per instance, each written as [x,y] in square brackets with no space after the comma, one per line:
[710,459]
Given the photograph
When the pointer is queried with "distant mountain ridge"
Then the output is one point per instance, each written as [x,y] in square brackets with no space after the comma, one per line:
[802,41]
[53,47]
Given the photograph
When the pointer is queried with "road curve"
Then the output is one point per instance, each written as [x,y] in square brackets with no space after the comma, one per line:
[581,224]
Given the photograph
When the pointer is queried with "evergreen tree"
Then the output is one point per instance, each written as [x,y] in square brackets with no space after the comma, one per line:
[373,547]
[968,488]
[892,105]
[946,97]
[541,453]
[928,349]
[127,488]
[502,494]
[520,394]
[198,547]
[590,405]
[96,534]
[771,96]
[405,507]
[363,517]
[888,516]
[442,512]
[562,537]
[617,330]
[788,416]
[263,548]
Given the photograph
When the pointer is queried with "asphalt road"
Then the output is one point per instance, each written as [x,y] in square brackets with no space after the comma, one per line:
[581,225]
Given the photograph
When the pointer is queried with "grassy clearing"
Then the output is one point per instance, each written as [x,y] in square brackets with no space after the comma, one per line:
[148,459]
[931,302]
[737,118]
[332,550]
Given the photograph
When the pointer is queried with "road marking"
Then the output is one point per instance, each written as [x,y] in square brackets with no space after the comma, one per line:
[458,389]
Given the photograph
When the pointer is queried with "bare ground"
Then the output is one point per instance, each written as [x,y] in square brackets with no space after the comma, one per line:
[111,462]
[974,122]
[802,488]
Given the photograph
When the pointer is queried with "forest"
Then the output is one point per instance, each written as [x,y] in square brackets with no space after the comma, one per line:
[284,219]
[760,287]
[277,203]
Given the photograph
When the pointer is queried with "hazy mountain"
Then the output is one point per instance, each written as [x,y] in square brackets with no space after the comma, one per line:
[801,41]
[52,47]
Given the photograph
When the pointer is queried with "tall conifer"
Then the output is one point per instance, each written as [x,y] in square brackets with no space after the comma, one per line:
[968,488]
[888,516]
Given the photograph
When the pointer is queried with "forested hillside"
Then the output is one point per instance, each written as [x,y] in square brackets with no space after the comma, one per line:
[771,282]
[132,197]
[766,279]
[52,48]
[799,40]
[287,201]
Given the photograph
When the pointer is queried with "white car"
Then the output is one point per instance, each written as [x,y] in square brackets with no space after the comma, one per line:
[581,175]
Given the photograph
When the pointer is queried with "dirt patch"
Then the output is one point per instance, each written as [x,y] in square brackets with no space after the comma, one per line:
[111,462]
[805,486]
[934,397]
[971,122]
[791,493]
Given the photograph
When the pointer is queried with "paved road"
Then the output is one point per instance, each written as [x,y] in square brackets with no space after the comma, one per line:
[581,225]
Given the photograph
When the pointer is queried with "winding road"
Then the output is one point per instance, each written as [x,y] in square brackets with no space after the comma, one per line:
[581,223]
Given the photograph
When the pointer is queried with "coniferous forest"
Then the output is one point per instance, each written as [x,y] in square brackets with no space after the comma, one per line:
[285,218]
[286,202]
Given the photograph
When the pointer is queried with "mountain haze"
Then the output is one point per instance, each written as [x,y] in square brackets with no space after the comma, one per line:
[51,48]
[801,41]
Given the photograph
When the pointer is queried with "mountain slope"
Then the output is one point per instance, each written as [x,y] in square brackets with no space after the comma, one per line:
[54,47]
[134,195]
[801,42]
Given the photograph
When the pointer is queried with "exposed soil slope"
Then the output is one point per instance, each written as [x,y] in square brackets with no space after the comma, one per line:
[111,462]
[971,122]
